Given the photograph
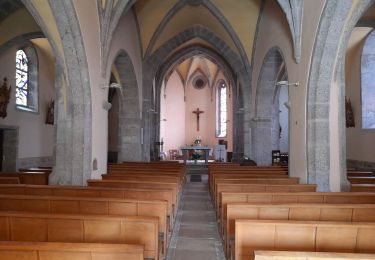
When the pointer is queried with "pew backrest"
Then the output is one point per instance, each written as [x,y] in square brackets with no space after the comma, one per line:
[15,226]
[11,250]
[251,235]
[287,255]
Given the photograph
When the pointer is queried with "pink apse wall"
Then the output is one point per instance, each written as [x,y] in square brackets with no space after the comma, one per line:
[178,126]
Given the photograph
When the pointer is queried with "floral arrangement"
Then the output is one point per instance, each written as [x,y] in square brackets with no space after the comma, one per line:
[195,155]
[198,141]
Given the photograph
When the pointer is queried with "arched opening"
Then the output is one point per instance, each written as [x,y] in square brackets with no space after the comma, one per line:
[326,131]
[360,94]
[271,123]
[124,122]
[196,108]
[27,130]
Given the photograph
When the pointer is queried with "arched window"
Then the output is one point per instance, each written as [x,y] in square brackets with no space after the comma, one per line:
[368,83]
[26,80]
[221,122]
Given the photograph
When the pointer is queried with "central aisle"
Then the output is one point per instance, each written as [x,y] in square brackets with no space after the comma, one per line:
[195,235]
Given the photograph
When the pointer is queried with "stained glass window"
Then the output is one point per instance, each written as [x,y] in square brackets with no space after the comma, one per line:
[22,78]
[221,130]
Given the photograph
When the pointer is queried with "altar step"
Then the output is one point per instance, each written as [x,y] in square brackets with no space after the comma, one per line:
[197,172]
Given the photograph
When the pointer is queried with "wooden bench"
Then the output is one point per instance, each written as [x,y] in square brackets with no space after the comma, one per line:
[138,185]
[260,188]
[251,235]
[362,187]
[143,177]
[11,250]
[223,176]
[9,180]
[361,180]
[274,181]
[299,197]
[287,255]
[304,212]
[360,174]
[91,206]
[36,178]
[15,226]
[247,172]
[84,192]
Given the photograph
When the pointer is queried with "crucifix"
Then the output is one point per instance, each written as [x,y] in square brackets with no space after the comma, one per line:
[198,112]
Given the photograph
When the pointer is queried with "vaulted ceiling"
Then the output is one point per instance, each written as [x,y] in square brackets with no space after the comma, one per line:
[197,66]
[234,22]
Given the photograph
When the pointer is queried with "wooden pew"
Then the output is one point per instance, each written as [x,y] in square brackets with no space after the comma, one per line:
[36,178]
[9,180]
[91,206]
[361,180]
[362,187]
[247,171]
[298,197]
[251,235]
[144,177]
[287,255]
[15,226]
[138,185]
[10,250]
[260,180]
[78,191]
[244,176]
[360,174]
[260,188]
[304,212]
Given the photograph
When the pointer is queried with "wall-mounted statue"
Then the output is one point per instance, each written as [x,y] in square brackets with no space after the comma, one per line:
[349,113]
[4,98]
[50,112]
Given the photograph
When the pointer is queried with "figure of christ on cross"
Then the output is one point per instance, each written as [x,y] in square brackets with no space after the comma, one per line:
[198,112]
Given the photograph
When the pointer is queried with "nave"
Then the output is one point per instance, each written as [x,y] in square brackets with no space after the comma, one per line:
[159,210]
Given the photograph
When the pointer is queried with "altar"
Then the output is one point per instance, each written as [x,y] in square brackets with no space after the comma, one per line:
[185,151]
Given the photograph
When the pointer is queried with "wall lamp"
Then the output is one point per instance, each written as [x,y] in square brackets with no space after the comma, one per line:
[286,83]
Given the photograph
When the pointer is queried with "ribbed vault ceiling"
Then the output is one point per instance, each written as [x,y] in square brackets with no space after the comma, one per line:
[234,22]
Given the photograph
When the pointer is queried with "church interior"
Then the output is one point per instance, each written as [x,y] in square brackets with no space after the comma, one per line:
[187,129]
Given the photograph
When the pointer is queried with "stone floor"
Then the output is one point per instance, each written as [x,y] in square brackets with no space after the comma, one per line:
[195,235]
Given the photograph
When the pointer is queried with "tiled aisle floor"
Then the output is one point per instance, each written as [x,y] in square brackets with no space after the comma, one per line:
[195,235]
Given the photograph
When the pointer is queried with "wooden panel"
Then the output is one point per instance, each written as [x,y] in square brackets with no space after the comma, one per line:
[336,239]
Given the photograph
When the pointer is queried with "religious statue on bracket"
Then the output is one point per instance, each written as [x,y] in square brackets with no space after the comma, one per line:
[50,117]
[4,98]
[349,113]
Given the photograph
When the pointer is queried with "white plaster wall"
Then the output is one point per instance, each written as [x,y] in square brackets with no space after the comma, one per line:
[360,142]
[181,126]
[87,14]
[273,31]
[36,139]
[126,37]
[172,108]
